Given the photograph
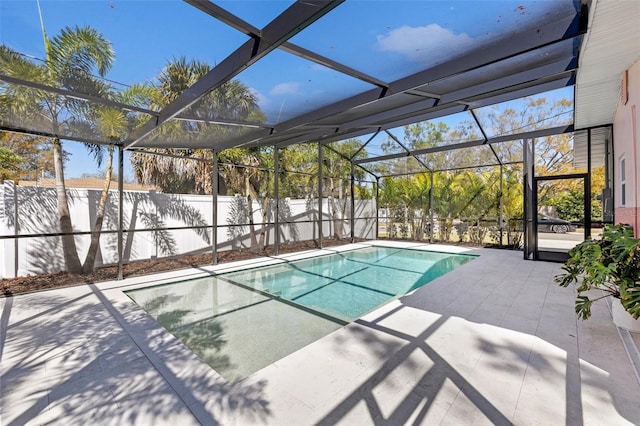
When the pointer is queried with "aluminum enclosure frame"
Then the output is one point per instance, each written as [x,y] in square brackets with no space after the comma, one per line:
[512,68]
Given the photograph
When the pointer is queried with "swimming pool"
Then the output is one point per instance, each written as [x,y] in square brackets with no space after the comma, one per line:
[240,322]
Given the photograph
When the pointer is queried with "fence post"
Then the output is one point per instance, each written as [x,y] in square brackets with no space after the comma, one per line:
[16,230]
[353,204]
[276,183]
[214,202]
[500,215]
[120,209]
[431,208]
[377,207]
[320,197]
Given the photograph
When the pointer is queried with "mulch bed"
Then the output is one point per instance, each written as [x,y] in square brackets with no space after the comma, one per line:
[31,283]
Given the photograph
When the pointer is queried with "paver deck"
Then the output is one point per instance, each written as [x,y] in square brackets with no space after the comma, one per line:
[494,342]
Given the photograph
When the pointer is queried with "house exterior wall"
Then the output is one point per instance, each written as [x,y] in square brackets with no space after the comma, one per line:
[626,137]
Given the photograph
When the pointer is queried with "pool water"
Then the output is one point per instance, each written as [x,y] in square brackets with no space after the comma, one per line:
[240,322]
[349,284]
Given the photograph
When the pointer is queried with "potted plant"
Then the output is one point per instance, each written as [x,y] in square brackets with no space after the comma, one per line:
[611,264]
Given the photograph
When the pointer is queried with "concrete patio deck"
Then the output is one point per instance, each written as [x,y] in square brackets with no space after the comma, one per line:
[494,342]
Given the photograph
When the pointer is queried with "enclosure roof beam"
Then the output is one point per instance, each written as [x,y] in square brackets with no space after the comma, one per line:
[558,68]
[353,133]
[113,104]
[442,109]
[367,170]
[475,118]
[375,119]
[348,159]
[540,133]
[289,23]
[31,132]
[495,154]
[452,169]
[407,174]
[225,16]
[75,95]
[510,163]
[564,28]
[364,145]
[222,122]
[334,65]
[414,112]
[321,136]
[267,169]
[110,103]
[555,70]
[498,139]
[422,163]
[335,151]
[484,134]
[166,154]
[408,154]
[239,24]
[340,132]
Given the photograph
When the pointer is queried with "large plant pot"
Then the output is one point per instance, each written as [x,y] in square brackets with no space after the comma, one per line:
[623,319]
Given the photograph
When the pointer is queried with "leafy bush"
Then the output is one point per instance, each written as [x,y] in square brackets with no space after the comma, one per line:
[611,264]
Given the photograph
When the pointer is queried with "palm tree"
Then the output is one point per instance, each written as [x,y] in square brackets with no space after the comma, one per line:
[243,175]
[418,201]
[178,172]
[232,101]
[72,59]
[337,172]
[448,200]
[114,125]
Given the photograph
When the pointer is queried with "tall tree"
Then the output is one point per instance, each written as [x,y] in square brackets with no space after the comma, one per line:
[113,125]
[72,59]
[189,170]
[337,172]
[244,174]
[475,192]
[36,154]
[409,203]
[9,164]
[177,172]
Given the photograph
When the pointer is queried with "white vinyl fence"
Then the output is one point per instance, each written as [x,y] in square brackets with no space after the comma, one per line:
[150,222]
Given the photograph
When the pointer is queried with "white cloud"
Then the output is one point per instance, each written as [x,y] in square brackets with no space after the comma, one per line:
[288,88]
[431,42]
[262,99]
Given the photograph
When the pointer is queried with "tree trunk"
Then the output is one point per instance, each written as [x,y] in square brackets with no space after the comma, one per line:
[338,229]
[90,260]
[265,217]
[252,226]
[69,250]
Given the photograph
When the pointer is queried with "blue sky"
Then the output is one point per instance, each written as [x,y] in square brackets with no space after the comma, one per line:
[387,39]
